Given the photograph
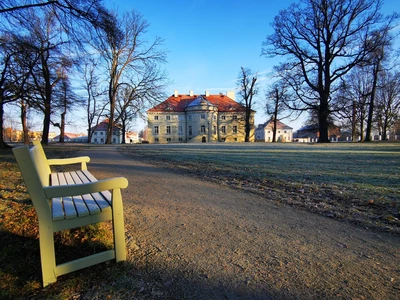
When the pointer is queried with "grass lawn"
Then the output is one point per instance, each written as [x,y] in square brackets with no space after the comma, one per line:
[358,182]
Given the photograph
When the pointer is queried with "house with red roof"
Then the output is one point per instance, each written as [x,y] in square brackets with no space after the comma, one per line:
[265,132]
[100,133]
[185,118]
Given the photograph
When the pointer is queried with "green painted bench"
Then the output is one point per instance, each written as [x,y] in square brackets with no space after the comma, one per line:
[66,200]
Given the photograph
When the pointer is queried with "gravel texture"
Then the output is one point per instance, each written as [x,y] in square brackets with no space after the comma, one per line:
[192,239]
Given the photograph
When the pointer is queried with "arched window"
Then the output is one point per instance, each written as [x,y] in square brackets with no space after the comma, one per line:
[203,128]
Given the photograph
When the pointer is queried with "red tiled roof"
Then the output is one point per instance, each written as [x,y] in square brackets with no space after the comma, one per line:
[178,104]
[104,125]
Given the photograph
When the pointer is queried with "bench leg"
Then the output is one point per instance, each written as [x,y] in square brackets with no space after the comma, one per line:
[47,253]
[118,226]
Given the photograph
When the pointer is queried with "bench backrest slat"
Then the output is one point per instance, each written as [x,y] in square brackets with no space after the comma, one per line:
[40,160]
[34,179]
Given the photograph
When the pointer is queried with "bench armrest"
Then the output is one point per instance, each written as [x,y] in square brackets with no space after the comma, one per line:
[85,188]
[68,161]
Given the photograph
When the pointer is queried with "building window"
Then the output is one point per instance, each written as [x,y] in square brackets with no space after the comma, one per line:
[155,117]
[190,117]
[215,130]
[190,130]
[235,139]
[95,133]
[101,133]
[285,131]
[95,140]
[156,139]
[203,128]
[101,140]
[168,139]
[279,131]
[114,140]
[234,129]
[168,118]
[181,139]
[223,129]
[180,129]
[168,129]
[202,116]
[222,117]
[234,117]
[156,130]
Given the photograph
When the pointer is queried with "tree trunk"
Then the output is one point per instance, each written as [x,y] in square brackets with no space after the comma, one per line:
[372,102]
[24,123]
[46,123]
[275,114]
[384,130]
[3,145]
[354,122]
[123,131]
[323,113]
[112,96]
[247,125]
[62,128]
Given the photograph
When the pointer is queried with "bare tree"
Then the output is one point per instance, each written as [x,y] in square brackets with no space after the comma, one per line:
[322,40]
[94,105]
[65,101]
[48,63]
[125,51]
[353,97]
[14,74]
[388,102]
[248,88]
[276,97]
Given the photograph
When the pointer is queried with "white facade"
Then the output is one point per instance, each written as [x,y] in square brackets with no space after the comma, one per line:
[265,132]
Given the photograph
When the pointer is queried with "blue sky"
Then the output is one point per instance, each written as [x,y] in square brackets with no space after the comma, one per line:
[209,40]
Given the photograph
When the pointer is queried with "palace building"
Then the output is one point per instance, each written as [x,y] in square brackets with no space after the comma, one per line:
[198,118]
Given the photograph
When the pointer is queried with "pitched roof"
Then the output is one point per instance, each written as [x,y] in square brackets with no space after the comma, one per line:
[270,124]
[179,103]
[102,126]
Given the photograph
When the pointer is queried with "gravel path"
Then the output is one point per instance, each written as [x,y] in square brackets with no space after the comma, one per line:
[193,239]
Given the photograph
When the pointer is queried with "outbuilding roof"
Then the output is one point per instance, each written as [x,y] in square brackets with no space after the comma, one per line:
[270,124]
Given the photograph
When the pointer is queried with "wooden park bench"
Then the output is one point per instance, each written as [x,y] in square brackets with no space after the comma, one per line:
[66,200]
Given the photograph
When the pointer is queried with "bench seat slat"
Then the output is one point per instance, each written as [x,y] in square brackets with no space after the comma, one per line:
[103,198]
[68,203]
[91,205]
[78,201]
[107,194]
[80,205]
[56,203]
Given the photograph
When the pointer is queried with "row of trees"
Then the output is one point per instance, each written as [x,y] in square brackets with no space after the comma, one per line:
[47,47]
[339,64]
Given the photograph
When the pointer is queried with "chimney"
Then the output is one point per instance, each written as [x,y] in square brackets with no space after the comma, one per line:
[175,93]
[207,93]
[191,93]
[231,95]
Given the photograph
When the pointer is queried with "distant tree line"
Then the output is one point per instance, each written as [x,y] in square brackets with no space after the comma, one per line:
[46,46]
